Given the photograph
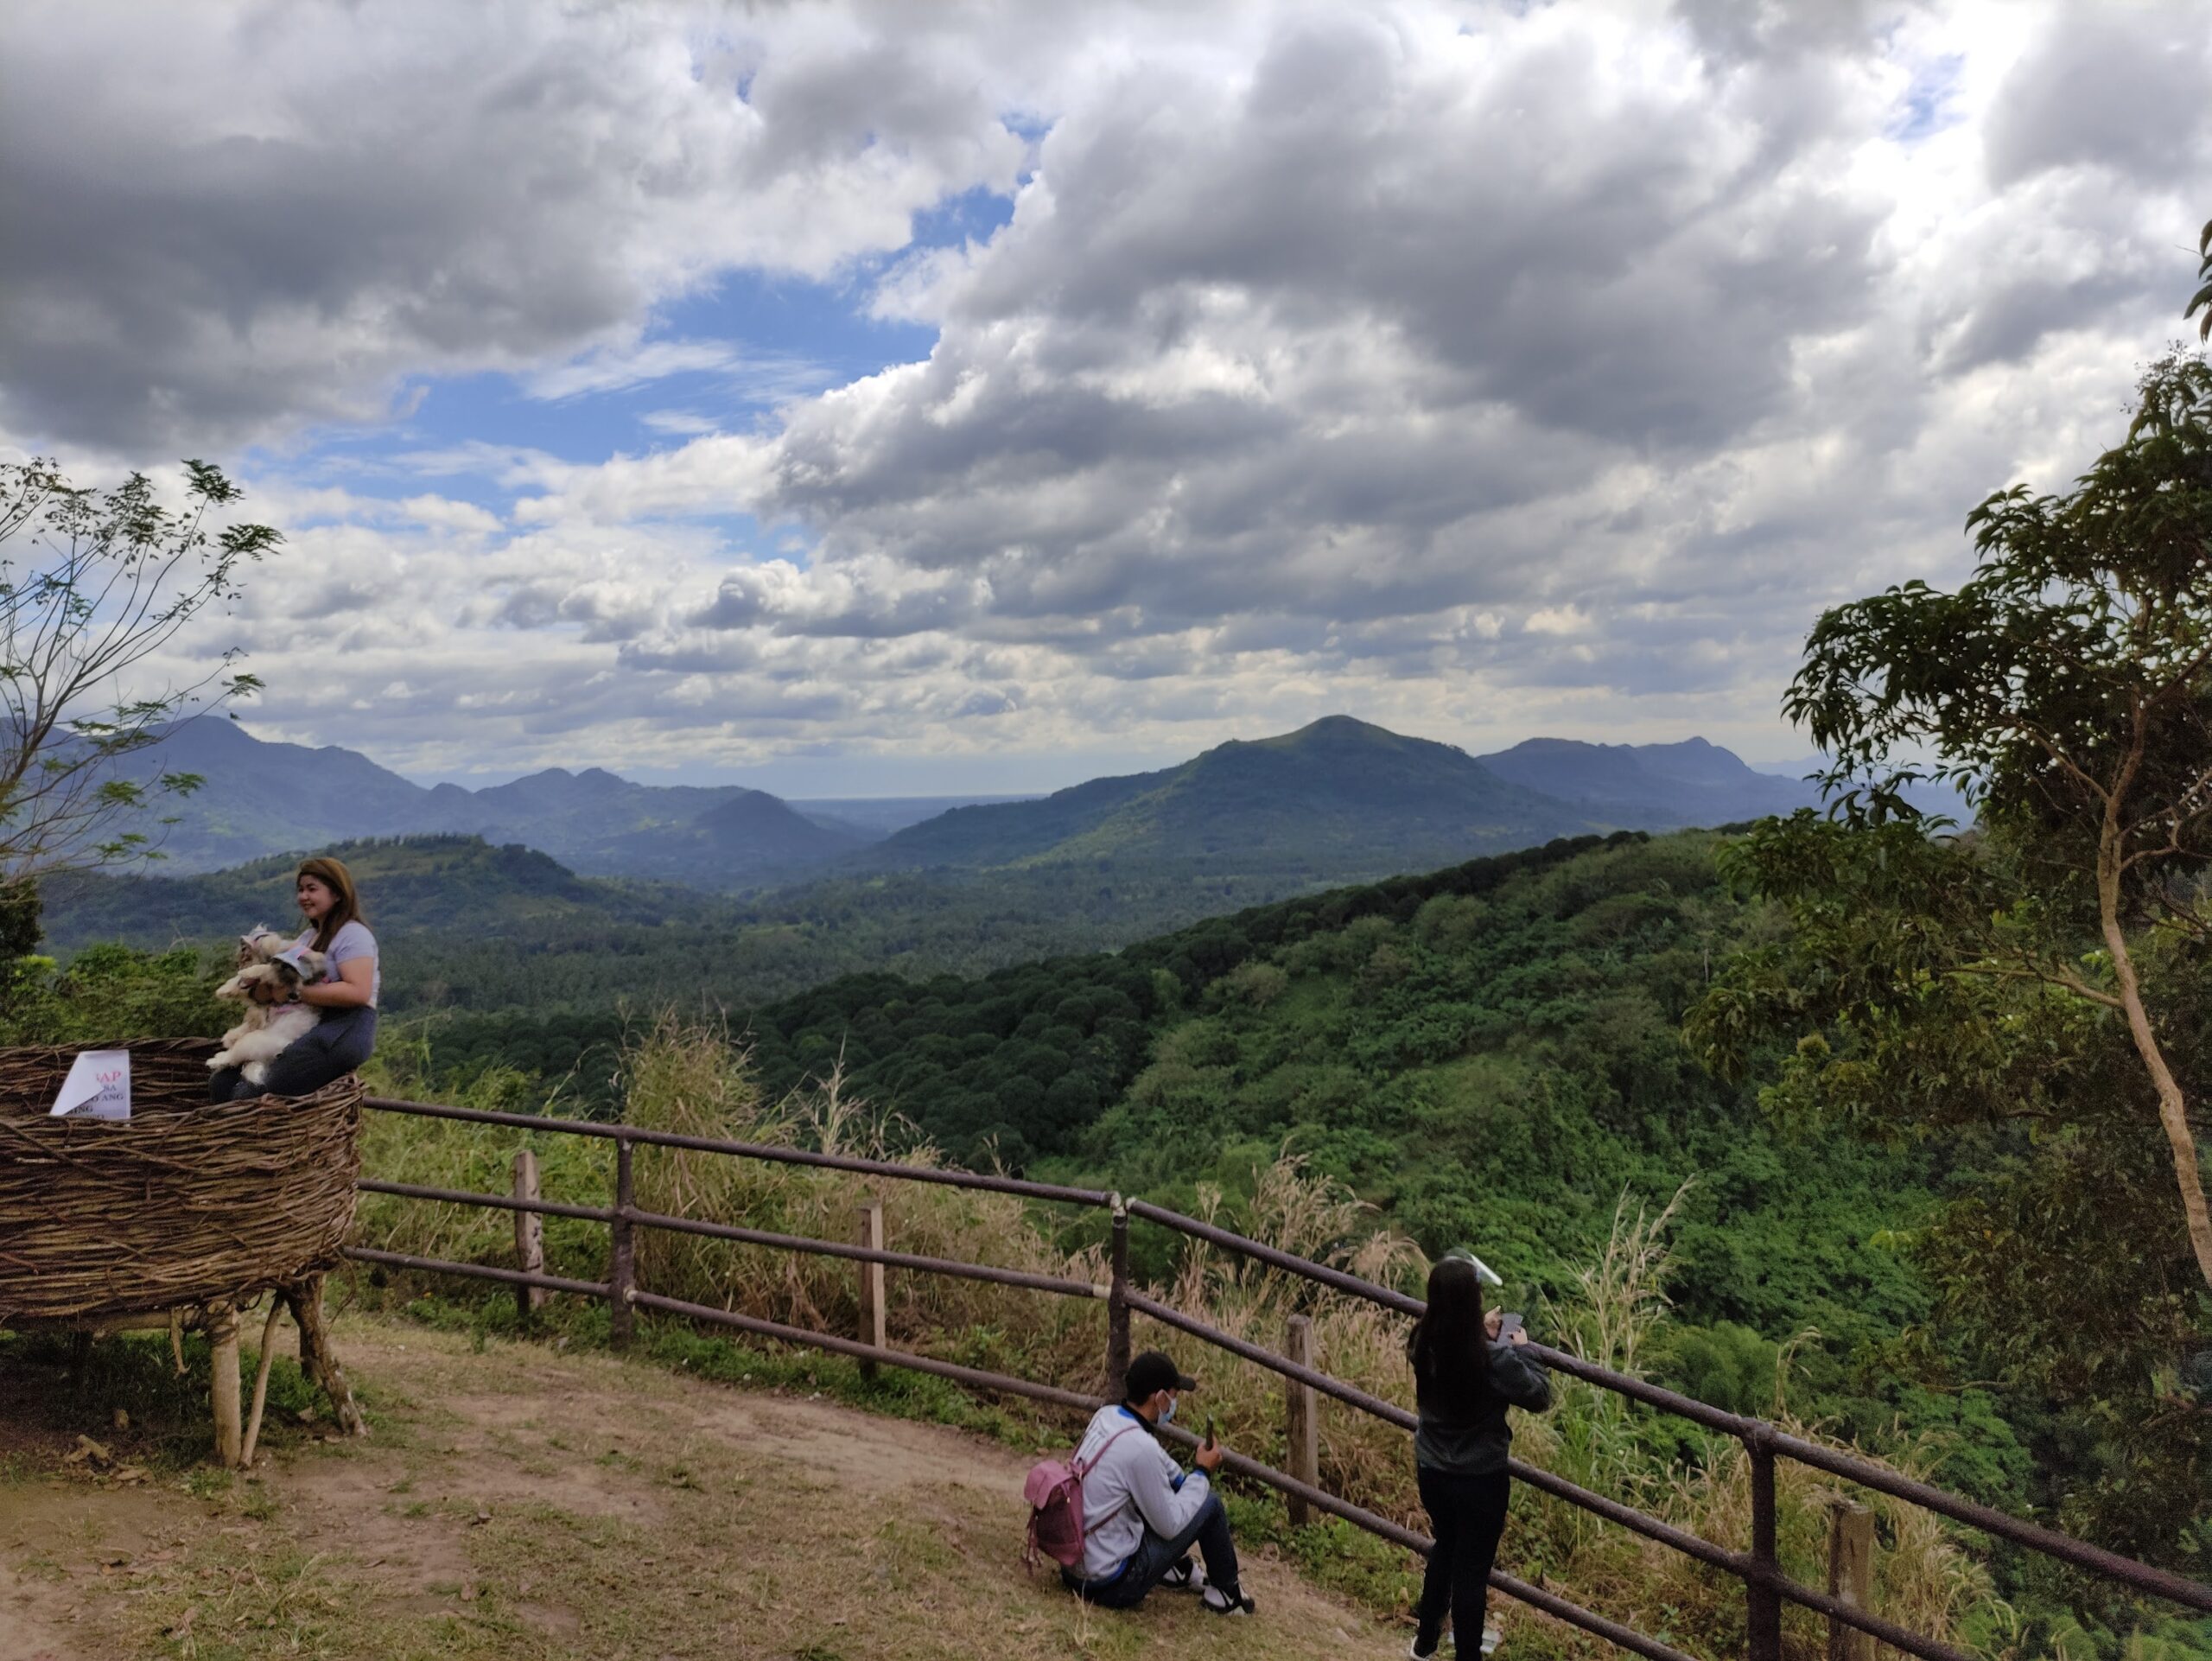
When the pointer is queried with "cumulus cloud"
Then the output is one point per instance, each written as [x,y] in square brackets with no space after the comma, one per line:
[1483,370]
[225,218]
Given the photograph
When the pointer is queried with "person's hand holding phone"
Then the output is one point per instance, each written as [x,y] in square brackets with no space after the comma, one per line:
[1493,1319]
[1208,1458]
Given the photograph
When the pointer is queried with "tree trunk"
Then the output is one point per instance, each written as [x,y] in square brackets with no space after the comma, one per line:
[2173,1109]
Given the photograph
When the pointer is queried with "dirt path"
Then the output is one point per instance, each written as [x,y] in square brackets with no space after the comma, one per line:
[515,1503]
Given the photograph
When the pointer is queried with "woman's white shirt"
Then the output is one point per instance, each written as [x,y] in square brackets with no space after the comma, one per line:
[352,942]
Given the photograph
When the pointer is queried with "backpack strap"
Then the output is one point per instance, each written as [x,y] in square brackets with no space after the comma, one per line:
[1082,1471]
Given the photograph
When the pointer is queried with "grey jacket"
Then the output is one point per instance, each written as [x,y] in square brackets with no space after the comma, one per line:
[1471,1437]
[1131,1484]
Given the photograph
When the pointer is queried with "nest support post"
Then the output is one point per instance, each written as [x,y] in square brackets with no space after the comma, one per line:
[317,1359]
[222,1324]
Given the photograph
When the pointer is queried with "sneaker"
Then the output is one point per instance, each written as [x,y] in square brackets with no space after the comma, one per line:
[1490,1640]
[1188,1575]
[1227,1603]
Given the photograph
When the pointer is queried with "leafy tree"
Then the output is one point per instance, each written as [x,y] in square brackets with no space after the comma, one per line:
[92,585]
[2066,689]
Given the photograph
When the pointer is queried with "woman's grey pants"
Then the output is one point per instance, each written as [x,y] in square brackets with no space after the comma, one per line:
[340,1042]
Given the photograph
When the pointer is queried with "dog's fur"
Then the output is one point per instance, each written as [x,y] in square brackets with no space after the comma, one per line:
[273,1022]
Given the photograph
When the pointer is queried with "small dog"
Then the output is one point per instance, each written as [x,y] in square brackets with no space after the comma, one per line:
[269,985]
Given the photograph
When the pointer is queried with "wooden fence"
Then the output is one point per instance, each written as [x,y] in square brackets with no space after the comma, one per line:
[1845,1603]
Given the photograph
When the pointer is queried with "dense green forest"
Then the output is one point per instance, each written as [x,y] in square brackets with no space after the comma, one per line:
[1491,1055]
[466,927]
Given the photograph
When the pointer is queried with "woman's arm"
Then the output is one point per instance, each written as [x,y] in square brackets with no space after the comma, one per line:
[355,986]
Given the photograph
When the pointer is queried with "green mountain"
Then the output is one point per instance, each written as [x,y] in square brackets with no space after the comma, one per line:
[1650,786]
[457,885]
[1340,797]
[259,798]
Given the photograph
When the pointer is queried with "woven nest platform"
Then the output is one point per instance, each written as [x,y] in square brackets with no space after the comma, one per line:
[180,1215]
[183,1203]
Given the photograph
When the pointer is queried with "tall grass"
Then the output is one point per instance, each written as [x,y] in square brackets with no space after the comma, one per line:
[691,1080]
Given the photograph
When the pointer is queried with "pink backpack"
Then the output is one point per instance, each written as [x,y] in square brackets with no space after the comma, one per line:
[1054,1491]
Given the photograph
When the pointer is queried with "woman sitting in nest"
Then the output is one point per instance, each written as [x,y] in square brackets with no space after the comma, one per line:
[347,995]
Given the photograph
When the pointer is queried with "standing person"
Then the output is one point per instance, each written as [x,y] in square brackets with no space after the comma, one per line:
[1140,1514]
[1465,1377]
[347,995]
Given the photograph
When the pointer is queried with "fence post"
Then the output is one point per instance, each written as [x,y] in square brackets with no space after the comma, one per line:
[1850,1578]
[1301,1417]
[1117,1306]
[1763,1603]
[872,1330]
[529,1237]
[622,1257]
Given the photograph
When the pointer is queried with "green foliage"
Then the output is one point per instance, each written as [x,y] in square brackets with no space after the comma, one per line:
[112,992]
[92,584]
[2034,999]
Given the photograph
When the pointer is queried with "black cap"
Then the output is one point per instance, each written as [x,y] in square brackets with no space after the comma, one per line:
[1153,1373]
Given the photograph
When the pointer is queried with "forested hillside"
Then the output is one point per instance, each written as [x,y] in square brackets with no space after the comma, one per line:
[1340,798]
[1490,1053]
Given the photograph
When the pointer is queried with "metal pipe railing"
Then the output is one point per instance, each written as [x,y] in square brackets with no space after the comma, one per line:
[769,1151]
[1766,1586]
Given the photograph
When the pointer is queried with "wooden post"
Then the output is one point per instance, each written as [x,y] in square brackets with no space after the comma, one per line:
[223,1339]
[529,1237]
[622,1254]
[873,1331]
[1763,1635]
[1117,1306]
[1301,1417]
[317,1359]
[1850,1578]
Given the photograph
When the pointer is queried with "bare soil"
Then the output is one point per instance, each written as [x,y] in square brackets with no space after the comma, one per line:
[517,1503]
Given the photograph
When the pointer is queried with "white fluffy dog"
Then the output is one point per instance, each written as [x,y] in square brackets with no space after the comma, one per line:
[267,984]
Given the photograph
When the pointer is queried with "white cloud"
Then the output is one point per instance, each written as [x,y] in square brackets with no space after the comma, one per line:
[1482,371]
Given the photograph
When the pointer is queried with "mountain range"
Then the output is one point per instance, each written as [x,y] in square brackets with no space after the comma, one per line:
[1338,800]
[258,799]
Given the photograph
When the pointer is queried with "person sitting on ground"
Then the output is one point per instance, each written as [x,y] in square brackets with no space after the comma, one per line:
[1142,1515]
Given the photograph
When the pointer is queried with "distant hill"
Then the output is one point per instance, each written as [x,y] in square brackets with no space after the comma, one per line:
[261,798]
[452,885]
[1337,800]
[1651,786]
[1340,797]
[881,815]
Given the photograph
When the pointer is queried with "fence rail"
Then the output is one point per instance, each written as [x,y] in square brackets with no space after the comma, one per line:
[1766,1586]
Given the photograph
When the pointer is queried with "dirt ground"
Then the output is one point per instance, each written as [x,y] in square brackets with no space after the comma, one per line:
[517,1503]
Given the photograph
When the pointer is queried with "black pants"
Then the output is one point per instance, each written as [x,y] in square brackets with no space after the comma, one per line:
[339,1042]
[1158,1553]
[1467,1515]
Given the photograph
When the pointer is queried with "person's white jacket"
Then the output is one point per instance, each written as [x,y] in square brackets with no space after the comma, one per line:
[1133,1486]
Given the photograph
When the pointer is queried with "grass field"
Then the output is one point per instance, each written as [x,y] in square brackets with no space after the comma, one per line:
[518,1501]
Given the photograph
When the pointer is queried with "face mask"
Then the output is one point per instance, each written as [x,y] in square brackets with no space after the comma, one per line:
[1167,1413]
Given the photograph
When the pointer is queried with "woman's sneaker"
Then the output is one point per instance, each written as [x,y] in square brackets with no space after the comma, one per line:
[1227,1603]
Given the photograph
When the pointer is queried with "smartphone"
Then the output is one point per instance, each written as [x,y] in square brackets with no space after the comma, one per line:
[1209,1429]
[1507,1326]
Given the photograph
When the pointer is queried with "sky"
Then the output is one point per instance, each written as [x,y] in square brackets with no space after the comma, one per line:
[885,399]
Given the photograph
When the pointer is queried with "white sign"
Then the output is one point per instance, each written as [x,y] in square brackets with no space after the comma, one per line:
[97,1087]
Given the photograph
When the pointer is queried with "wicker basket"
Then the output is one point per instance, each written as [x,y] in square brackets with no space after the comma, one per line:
[184,1203]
